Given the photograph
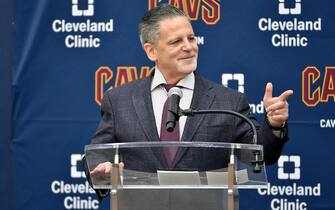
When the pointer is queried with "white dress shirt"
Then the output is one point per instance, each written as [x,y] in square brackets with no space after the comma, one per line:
[159,96]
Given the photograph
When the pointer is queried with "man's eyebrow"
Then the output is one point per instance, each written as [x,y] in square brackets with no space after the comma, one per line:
[178,37]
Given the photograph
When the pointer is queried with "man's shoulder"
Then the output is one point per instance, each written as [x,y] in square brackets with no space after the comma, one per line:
[129,87]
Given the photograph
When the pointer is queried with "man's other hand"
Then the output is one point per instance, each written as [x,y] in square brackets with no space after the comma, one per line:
[105,168]
[276,107]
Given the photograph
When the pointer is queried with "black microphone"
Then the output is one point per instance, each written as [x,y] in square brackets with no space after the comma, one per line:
[174,96]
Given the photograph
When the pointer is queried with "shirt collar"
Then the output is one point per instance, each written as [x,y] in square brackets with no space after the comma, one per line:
[186,82]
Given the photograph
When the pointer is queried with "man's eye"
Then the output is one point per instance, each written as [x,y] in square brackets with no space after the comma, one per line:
[192,38]
[175,41]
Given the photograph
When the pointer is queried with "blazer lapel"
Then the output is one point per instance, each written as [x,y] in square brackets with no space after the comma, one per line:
[203,97]
[142,103]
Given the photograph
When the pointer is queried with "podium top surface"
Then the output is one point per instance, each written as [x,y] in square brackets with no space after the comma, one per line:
[175,144]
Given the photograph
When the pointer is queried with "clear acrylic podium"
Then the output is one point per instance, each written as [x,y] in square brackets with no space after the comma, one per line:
[204,175]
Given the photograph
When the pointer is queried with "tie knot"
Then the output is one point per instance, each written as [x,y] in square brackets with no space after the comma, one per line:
[168,86]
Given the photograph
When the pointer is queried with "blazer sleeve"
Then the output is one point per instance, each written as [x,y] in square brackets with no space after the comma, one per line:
[105,132]
[101,193]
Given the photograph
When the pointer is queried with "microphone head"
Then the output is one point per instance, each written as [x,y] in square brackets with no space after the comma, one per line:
[175,91]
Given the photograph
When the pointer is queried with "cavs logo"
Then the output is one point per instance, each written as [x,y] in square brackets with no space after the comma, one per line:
[208,10]
[318,87]
[124,74]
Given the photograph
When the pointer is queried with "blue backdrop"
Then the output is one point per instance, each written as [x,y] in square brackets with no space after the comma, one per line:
[6,53]
[67,53]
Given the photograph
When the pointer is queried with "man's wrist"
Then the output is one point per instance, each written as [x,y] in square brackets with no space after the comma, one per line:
[280,132]
[283,125]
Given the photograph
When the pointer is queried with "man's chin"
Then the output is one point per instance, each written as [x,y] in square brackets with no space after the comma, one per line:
[188,69]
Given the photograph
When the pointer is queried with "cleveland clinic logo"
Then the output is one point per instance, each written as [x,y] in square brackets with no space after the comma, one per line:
[283,161]
[291,196]
[80,12]
[75,195]
[283,10]
[290,31]
[85,32]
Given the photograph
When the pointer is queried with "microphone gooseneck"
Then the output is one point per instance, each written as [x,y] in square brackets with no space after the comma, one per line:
[258,161]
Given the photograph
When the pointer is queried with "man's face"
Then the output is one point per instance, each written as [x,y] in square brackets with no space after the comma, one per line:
[175,51]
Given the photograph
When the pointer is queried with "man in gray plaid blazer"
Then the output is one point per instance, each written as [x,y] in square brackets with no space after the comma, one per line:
[132,112]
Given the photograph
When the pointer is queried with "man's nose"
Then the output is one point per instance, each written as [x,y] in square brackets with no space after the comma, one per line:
[187,45]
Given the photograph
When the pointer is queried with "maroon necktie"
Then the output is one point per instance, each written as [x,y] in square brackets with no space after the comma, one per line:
[169,152]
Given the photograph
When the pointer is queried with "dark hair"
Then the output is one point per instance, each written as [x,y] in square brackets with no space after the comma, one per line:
[149,25]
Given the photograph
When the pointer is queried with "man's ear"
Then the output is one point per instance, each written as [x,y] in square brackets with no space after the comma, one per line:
[150,51]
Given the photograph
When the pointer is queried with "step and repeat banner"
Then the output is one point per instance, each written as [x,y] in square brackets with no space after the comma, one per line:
[67,53]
